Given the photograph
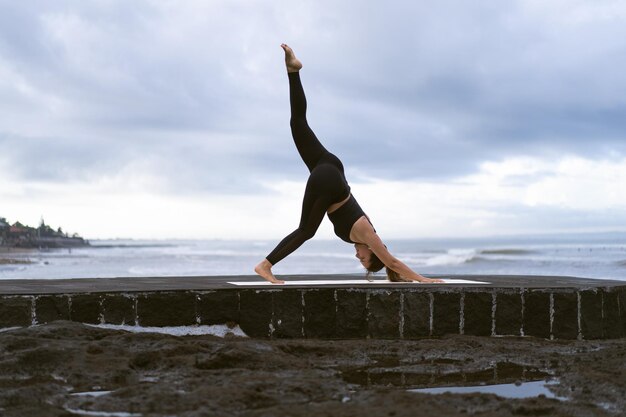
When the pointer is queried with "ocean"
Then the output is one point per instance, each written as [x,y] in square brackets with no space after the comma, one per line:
[600,256]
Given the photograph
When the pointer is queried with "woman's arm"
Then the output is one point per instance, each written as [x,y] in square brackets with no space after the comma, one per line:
[377,246]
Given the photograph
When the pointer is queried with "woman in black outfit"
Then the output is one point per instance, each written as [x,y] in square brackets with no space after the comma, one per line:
[327,191]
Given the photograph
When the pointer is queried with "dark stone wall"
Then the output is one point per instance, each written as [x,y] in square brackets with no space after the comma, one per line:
[446,316]
[320,314]
[351,316]
[218,307]
[119,309]
[15,311]
[166,309]
[355,313]
[384,316]
[565,315]
[85,308]
[287,314]
[591,314]
[477,313]
[416,313]
[509,313]
[536,313]
[52,307]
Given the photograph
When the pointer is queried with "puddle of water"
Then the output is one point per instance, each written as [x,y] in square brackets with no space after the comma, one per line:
[440,373]
[101,413]
[91,393]
[518,390]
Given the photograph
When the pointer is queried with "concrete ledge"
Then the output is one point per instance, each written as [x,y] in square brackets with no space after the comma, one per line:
[545,307]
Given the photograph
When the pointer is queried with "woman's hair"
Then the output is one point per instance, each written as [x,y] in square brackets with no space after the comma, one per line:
[376,265]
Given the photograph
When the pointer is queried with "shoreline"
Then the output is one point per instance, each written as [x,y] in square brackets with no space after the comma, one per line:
[13,261]
[16,256]
[11,249]
[212,257]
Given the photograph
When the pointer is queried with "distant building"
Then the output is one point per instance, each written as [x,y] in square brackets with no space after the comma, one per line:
[43,237]
[4,228]
[19,231]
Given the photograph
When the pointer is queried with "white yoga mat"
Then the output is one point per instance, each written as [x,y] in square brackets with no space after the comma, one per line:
[349,282]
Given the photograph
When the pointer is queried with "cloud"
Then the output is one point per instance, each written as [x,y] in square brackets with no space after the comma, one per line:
[509,196]
[190,99]
[490,79]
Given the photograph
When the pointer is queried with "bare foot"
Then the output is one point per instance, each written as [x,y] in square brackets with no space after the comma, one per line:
[264,269]
[293,64]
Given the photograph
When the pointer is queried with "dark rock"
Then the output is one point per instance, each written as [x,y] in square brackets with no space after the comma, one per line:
[146,360]
[94,349]
[42,358]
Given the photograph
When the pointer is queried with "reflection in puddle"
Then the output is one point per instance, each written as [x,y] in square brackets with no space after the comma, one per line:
[519,390]
[91,393]
[440,373]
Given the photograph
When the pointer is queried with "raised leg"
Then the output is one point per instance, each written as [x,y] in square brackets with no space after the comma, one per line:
[293,64]
[309,147]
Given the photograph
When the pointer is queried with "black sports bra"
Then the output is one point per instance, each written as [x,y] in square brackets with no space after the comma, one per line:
[344,218]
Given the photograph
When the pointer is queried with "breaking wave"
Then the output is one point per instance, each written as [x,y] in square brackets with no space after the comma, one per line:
[452,257]
[507,252]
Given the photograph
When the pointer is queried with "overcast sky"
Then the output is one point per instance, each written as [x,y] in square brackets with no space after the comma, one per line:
[170,119]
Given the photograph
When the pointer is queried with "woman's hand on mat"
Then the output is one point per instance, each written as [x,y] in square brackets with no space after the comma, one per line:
[425,280]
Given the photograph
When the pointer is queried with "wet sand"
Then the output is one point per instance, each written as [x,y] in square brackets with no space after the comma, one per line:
[44,369]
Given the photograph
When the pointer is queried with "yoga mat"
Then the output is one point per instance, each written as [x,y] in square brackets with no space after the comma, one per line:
[348,282]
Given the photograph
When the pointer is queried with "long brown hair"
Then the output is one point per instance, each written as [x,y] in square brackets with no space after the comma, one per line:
[376,265]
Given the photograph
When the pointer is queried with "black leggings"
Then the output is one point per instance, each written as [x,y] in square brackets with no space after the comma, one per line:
[325,185]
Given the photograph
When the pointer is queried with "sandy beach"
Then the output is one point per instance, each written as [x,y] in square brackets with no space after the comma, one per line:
[65,368]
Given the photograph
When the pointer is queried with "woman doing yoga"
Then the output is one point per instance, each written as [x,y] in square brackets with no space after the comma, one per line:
[327,191]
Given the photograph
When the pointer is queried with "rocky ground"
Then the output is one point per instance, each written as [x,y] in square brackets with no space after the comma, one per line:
[44,369]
